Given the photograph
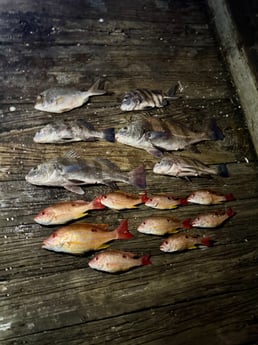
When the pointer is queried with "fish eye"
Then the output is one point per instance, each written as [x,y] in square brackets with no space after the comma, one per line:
[165,242]
[125,128]
[43,213]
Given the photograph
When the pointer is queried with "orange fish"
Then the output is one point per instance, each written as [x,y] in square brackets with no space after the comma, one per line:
[182,241]
[208,197]
[212,219]
[113,261]
[84,237]
[164,201]
[120,200]
[160,225]
[64,212]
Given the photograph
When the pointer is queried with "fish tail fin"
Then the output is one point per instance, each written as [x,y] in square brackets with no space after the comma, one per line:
[187,223]
[96,203]
[144,197]
[173,90]
[230,212]
[207,242]
[137,177]
[223,170]
[109,134]
[145,260]
[214,131]
[229,197]
[183,201]
[122,231]
[95,88]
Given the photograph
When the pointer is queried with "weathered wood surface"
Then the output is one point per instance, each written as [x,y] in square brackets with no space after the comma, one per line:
[189,298]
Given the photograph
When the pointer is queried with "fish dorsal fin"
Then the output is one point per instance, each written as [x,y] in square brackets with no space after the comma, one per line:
[71,154]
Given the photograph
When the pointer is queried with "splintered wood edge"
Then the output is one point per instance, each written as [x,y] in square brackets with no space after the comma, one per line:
[244,79]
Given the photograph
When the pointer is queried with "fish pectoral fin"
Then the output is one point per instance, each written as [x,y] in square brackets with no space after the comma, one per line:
[74,189]
[59,100]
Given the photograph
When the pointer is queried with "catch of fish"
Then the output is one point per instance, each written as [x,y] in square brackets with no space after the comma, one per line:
[61,99]
[62,132]
[71,171]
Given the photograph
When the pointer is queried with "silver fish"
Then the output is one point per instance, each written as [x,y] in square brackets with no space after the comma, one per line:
[135,134]
[68,131]
[176,136]
[71,171]
[60,99]
[142,99]
[179,166]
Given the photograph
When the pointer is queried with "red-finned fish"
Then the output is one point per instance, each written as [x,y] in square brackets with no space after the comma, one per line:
[113,261]
[61,99]
[84,237]
[208,197]
[164,201]
[143,99]
[181,241]
[63,212]
[180,166]
[160,225]
[62,131]
[70,171]
[120,200]
[212,219]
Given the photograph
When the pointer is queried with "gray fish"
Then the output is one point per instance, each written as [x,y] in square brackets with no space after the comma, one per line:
[68,131]
[135,134]
[176,136]
[60,100]
[70,171]
[143,99]
[179,166]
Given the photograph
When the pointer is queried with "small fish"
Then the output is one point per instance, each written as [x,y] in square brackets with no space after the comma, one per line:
[164,201]
[113,261]
[61,99]
[70,171]
[69,131]
[176,136]
[181,241]
[208,197]
[143,99]
[120,200]
[212,219]
[135,134]
[63,212]
[179,166]
[160,225]
[84,237]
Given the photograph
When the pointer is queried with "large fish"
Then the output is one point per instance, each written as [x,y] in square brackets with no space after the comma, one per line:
[143,99]
[61,99]
[113,261]
[84,237]
[63,212]
[68,131]
[179,166]
[181,241]
[70,171]
[176,136]
[135,134]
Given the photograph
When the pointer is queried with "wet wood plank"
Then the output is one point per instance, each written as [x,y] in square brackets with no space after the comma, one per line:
[194,297]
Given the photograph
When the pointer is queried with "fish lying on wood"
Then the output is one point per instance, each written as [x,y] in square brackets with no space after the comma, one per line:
[64,212]
[154,134]
[181,241]
[69,131]
[61,99]
[70,171]
[164,201]
[180,166]
[208,197]
[161,225]
[113,261]
[84,237]
[212,219]
[143,99]
[119,200]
